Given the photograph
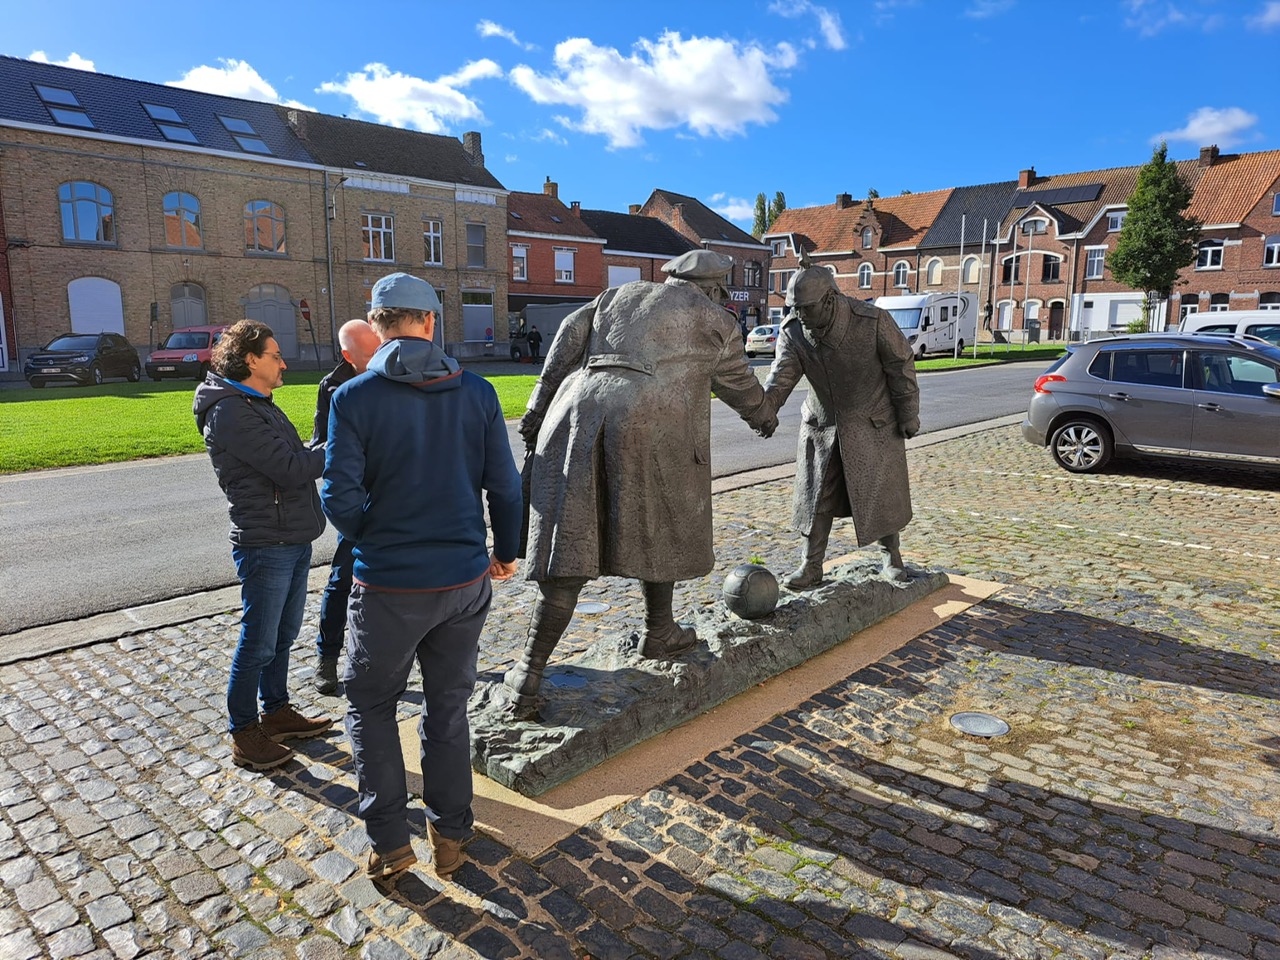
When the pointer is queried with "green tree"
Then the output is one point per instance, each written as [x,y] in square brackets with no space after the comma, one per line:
[776,207]
[873,194]
[761,223]
[1157,239]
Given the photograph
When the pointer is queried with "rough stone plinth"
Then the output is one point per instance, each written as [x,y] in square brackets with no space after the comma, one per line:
[601,702]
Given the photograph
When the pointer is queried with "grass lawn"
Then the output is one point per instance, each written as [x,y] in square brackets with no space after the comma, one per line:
[75,426]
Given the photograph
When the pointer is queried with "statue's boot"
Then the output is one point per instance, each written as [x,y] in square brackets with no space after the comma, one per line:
[809,573]
[551,616]
[893,545]
[664,639]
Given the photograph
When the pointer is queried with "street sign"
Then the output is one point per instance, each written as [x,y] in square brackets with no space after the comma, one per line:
[305,309]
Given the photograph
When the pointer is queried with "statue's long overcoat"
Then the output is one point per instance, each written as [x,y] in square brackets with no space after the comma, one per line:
[862,386]
[621,478]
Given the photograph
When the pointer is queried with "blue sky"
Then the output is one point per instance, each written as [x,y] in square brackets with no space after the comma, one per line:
[723,100]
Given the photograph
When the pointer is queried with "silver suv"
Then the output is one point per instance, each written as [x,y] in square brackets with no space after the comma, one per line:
[1161,395]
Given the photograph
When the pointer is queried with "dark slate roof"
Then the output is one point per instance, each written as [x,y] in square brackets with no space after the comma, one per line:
[114,104]
[360,145]
[989,200]
[705,222]
[636,234]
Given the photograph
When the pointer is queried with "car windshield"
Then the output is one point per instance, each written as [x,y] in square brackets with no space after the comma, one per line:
[907,318]
[182,340]
[74,342]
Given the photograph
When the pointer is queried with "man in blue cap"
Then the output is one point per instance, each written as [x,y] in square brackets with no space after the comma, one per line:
[413,442]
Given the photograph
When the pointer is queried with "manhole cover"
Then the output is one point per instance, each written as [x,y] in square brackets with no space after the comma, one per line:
[571,681]
[979,724]
[591,606]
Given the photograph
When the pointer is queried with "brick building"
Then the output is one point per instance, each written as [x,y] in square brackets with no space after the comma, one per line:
[554,256]
[635,247]
[693,219]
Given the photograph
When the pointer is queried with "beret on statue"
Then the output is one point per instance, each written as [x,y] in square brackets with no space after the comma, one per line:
[698,265]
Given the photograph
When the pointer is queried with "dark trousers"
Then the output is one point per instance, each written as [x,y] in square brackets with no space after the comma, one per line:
[387,633]
[333,603]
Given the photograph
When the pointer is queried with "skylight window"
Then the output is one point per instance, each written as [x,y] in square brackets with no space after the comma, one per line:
[170,123]
[63,106]
[244,134]
[516,215]
[555,218]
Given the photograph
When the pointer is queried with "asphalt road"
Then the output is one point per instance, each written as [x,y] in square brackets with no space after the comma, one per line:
[85,540]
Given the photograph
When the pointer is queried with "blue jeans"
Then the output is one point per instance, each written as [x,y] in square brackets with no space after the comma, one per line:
[273,588]
[333,604]
[387,633]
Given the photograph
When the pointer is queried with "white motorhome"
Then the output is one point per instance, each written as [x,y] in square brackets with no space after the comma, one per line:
[934,322]
[1259,323]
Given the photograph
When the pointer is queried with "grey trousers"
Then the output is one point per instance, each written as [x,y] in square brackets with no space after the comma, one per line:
[386,632]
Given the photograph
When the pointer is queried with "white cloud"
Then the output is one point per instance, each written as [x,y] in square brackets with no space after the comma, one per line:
[712,86]
[403,100]
[235,78]
[828,21]
[732,208]
[1267,19]
[1225,127]
[981,9]
[511,158]
[75,61]
[1149,17]
[547,135]
[487,28]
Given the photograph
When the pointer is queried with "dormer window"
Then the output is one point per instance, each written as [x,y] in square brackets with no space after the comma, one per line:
[243,133]
[1035,226]
[1115,220]
[63,107]
[779,247]
[868,237]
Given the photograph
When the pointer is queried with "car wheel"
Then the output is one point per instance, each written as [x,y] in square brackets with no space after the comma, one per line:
[1081,446]
[95,374]
[920,352]
[751,354]
[960,347]
[135,373]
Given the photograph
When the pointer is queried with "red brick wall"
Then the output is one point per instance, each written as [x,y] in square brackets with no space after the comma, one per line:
[588,268]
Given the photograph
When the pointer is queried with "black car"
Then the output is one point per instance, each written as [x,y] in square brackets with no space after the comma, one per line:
[83,358]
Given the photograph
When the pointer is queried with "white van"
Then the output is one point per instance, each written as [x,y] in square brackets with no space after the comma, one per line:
[1260,323]
[933,322]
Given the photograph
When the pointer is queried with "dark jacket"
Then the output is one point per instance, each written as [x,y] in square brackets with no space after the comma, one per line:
[331,382]
[262,465]
[414,444]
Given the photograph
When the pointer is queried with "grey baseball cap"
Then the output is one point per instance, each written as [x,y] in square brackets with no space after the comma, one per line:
[402,291]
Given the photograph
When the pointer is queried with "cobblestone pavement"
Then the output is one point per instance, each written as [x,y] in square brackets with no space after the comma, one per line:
[1130,812]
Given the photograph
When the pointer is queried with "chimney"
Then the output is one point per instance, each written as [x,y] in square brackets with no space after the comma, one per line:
[843,201]
[677,215]
[1026,178]
[471,144]
[1208,156]
[575,207]
[551,188]
[299,124]
[633,209]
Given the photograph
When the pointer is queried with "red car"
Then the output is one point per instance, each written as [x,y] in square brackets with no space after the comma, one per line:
[184,353]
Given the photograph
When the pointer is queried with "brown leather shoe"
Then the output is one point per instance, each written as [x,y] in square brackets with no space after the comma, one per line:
[253,749]
[395,862]
[287,723]
[446,854]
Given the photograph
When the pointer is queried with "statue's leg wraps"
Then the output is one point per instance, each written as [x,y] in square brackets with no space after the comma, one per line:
[893,545]
[551,616]
[809,573]
[664,639]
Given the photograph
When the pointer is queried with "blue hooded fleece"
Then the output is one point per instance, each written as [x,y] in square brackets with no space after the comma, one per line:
[412,443]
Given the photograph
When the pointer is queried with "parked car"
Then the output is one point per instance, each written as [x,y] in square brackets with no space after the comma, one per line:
[1258,323]
[83,358]
[1162,395]
[763,339]
[184,353]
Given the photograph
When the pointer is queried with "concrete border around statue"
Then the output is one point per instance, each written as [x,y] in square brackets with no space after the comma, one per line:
[607,699]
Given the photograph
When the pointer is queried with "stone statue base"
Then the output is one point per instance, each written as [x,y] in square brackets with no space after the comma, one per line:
[601,702]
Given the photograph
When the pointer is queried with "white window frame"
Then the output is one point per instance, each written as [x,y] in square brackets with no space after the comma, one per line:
[1219,307]
[868,238]
[519,262]
[1095,262]
[1115,220]
[971,270]
[865,274]
[933,272]
[1275,205]
[778,247]
[903,283]
[1034,226]
[564,255]
[1187,308]
[382,227]
[1213,260]
[432,242]
[1271,251]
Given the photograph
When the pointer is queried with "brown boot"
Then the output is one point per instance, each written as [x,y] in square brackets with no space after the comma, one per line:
[446,853]
[287,723]
[395,862]
[252,748]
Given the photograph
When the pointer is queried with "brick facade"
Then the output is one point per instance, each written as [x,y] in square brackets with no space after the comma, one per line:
[539,227]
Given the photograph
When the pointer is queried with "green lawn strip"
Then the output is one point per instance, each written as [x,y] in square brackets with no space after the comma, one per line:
[72,426]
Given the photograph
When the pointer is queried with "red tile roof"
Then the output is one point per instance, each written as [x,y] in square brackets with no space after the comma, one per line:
[903,219]
[540,213]
[1229,189]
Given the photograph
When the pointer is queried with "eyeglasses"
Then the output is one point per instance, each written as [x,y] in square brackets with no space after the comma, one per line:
[279,357]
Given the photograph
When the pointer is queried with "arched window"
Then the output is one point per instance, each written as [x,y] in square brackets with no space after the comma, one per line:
[864,276]
[264,227]
[1051,272]
[88,212]
[900,273]
[1010,269]
[1036,225]
[933,272]
[970,270]
[1004,315]
[867,237]
[182,220]
[1269,301]
[1219,303]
